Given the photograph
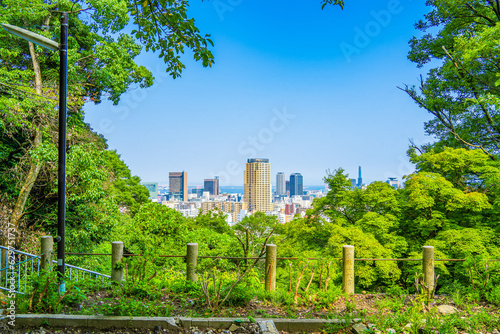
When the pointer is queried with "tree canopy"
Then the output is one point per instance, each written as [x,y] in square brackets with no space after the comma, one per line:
[460,90]
[101,65]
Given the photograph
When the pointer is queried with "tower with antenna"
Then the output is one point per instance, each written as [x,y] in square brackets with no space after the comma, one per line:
[360,179]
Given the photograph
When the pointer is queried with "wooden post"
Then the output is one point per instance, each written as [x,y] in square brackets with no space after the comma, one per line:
[348,269]
[3,262]
[192,262]
[47,244]
[271,252]
[428,269]
[116,259]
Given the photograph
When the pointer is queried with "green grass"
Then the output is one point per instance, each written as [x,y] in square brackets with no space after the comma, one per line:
[175,297]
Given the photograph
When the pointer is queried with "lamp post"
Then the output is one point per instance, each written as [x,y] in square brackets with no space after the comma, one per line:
[63,88]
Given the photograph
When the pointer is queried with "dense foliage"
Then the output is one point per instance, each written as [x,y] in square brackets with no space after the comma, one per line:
[461,92]
[100,187]
[451,201]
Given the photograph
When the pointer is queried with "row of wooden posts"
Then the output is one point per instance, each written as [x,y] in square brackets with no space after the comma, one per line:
[270,266]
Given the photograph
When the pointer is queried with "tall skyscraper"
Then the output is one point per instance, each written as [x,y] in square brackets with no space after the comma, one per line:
[178,189]
[296,184]
[153,189]
[280,184]
[218,185]
[360,179]
[210,185]
[257,184]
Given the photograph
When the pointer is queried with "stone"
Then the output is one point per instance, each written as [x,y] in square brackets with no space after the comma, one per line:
[391,331]
[233,327]
[446,309]
[267,327]
[172,323]
[360,328]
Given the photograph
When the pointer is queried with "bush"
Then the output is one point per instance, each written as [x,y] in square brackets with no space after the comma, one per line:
[43,296]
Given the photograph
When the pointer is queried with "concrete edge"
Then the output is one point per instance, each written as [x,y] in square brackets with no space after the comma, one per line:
[170,323]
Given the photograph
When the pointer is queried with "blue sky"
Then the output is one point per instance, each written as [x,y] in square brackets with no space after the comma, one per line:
[309,89]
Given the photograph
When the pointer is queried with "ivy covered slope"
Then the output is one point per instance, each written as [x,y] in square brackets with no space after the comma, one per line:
[101,66]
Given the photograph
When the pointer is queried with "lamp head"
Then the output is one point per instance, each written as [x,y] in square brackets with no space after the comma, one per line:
[31,36]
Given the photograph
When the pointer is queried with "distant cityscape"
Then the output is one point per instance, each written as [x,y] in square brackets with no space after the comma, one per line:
[289,198]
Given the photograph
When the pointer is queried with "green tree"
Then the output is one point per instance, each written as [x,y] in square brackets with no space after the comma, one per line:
[101,65]
[254,232]
[214,220]
[125,189]
[460,92]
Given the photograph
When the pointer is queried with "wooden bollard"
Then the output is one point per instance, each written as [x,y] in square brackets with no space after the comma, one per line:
[428,269]
[3,263]
[192,262]
[271,252]
[116,259]
[348,269]
[46,245]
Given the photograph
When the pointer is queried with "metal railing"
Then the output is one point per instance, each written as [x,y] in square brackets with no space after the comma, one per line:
[26,264]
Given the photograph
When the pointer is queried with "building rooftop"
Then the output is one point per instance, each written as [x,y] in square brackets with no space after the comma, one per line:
[258,160]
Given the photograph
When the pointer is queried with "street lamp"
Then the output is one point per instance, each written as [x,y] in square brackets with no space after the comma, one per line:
[63,88]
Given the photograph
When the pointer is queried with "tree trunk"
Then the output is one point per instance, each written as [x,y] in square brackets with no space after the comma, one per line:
[29,181]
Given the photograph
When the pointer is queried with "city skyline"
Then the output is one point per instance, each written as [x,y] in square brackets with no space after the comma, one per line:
[311,97]
[278,176]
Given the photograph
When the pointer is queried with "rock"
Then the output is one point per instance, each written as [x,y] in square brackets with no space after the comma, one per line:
[233,327]
[267,327]
[391,331]
[360,328]
[173,322]
[446,309]
[495,331]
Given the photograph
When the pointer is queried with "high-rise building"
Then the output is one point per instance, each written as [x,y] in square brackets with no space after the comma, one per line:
[280,184]
[296,184]
[178,190]
[152,188]
[231,208]
[198,191]
[218,185]
[257,184]
[210,185]
[393,182]
[360,179]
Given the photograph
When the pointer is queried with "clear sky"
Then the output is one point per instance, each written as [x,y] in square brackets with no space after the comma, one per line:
[309,89]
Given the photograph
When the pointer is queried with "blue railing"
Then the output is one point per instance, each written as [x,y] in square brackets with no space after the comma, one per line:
[26,264]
